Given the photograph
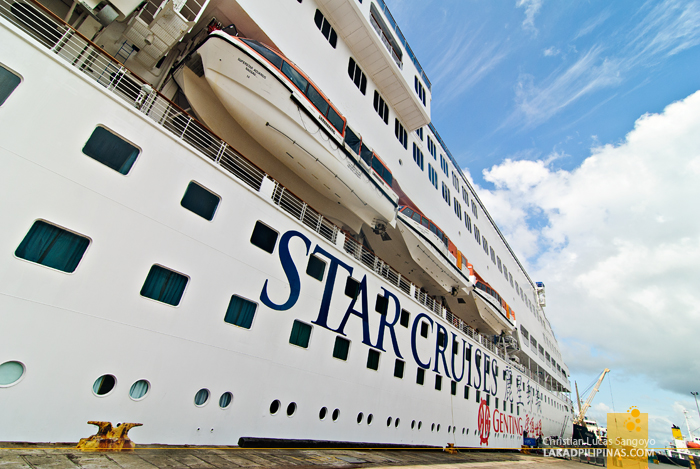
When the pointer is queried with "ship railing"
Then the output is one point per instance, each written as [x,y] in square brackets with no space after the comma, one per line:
[300,210]
[96,64]
[386,41]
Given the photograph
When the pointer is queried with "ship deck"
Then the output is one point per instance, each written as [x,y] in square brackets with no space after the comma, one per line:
[65,456]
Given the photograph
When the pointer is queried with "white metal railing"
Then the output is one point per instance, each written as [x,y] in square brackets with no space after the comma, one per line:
[96,64]
[300,210]
[386,41]
[100,67]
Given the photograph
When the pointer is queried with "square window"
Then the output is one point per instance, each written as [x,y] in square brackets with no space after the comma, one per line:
[381,305]
[478,396]
[264,237]
[373,359]
[8,82]
[398,368]
[405,317]
[497,404]
[201,201]
[316,268]
[455,348]
[453,388]
[424,329]
[442,339]
[300,335]
[164,285]
[488,399]
[111,150]
[438,382]
[53,247]
[466,392]
[352,287]
[341,348]
[511,407]
[420,376]
[240,312]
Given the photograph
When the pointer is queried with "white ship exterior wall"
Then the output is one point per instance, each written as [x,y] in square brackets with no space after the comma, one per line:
[69,329]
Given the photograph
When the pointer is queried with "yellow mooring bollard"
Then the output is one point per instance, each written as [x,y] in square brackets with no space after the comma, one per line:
[109,438]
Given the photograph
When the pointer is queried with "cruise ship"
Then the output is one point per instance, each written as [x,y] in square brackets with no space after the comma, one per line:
[233,222]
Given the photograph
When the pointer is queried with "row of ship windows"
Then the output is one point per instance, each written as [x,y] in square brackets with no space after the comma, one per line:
[60,249]
[535,347]
[12,372]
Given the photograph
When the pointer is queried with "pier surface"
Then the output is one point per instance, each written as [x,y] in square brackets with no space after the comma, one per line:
[15,456]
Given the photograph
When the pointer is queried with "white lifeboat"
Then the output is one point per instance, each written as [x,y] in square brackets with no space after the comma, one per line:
[427,245]
[491,309]
[288,115]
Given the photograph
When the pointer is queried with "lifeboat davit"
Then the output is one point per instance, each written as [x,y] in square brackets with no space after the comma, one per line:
[290,117]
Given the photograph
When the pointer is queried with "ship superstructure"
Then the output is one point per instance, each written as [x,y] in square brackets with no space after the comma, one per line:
[234,222]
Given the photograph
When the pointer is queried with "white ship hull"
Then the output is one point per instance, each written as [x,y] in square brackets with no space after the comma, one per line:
[69,329]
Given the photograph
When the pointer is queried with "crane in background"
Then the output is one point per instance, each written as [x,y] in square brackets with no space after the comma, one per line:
[582,409]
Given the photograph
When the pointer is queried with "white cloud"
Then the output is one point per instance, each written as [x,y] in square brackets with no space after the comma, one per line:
[620,246]
[537,104]
[532,7]
[592,24]
[551,51]
[653,33]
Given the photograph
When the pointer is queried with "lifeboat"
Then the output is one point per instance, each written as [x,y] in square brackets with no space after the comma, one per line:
[287,114]
[428,246]
[492,309]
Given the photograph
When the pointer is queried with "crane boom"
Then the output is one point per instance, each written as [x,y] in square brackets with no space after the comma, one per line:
[587,405]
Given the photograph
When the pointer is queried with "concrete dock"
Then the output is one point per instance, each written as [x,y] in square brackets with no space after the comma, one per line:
[17,455]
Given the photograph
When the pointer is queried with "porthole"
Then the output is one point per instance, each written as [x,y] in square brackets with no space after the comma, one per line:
[388,422]
[432,427]
[454,429]
[449,429]
[420,424]
[104,385]
[396,422]
[139,389]
[438,427]
[10,373]
[322,413]
[413,424]
[202,397]
[275,407]
[336,414]
[225,400]
[360,416]
[291,408]
[463,430]
[370,417]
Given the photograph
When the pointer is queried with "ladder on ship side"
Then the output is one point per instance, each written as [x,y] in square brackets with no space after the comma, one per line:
[113,70]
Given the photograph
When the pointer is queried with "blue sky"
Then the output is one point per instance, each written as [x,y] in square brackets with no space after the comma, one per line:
[579,123]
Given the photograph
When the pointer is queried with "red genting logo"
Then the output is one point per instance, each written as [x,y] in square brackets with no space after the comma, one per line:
[484,423]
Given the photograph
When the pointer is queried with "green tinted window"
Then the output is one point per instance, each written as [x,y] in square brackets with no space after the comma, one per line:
[240,312]
[8,82]
[301,333]
[111,150]
[52,246]
[341,348]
